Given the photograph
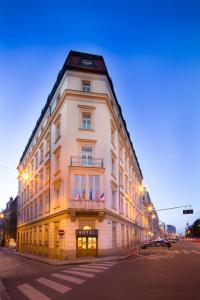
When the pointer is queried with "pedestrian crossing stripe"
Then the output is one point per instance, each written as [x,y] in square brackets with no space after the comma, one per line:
[87,271]
[31,292]
[54,285]
[183,251]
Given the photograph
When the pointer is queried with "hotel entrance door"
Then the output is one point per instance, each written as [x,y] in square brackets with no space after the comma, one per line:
[86,245]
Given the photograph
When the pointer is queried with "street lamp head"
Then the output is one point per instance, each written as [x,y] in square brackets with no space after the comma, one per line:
[140,188]
[1,216]
[153,216]
[25,176]
[149,208]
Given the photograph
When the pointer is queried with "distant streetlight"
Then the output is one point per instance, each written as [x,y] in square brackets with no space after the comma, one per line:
[1,216]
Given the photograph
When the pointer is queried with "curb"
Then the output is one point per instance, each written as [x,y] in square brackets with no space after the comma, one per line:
[65,263]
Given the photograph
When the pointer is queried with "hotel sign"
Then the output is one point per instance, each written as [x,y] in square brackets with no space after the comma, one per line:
[87,232]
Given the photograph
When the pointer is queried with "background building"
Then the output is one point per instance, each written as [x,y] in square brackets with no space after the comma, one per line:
[170,231]
[8,224]
[80,183]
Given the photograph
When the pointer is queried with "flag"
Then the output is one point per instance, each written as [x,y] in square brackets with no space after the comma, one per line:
[78,197]
[90,195]
[102,196]
[96,195]
[84,194]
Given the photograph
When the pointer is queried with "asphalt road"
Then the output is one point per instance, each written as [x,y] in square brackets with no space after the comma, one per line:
[156,274]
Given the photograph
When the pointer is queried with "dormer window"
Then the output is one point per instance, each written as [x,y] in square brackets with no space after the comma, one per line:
[86,85]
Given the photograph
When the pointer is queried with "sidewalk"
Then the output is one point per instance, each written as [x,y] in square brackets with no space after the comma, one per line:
[129,252]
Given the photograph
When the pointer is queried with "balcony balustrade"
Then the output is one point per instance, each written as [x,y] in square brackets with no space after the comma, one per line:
[86,162]
[87,204]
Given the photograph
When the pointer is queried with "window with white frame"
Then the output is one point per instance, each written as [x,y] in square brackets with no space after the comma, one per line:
[57,130]
[41,179]
[47,143]
[36,161]
[40,204]
[112,134]
[121,205]
[46,197]
[86,155]
[86,187]
[57,160]
[114,198]
[57,194]
[41,153]
[86,86]
[113,165]
[121,178]
[94,187]
[79,187]
[86,120]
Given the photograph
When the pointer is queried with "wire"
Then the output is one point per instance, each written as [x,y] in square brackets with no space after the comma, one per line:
[4,167]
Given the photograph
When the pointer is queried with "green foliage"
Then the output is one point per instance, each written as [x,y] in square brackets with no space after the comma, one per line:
[194,230]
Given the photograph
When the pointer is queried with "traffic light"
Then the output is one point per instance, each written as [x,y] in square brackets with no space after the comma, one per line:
[187,211]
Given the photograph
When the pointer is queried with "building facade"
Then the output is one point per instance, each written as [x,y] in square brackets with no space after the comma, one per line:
[79,177]
[8,223]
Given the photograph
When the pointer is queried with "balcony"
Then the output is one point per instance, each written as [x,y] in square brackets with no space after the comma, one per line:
[86,162]
[87,205]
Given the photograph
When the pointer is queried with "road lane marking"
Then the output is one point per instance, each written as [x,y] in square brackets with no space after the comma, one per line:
[84,274]
[94,267]
[185,251]
[108,263]
[87,270]
[32,293]
[68,278]
[177,251]
[195,251]
[54,285]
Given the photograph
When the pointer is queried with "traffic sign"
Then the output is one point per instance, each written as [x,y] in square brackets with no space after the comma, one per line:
[187,211]
[61,232]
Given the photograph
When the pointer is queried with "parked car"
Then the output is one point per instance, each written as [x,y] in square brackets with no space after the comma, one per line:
[157,243]
[172,240]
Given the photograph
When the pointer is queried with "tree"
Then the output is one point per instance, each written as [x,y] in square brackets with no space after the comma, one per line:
[194,230]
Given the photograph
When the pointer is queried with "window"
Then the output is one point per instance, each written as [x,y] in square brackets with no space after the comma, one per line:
[40,205]
[57,131]
[36,184]
[126,184]
[112,134]
[126,209]
[86,120]
[46,195]
[125,161]
[41,179]
[47,172]
[86,86]
[47,144]
[121,153]
[41,154]
[121,178]
[94,187]
[57,194]
[36,161]
[113,166]
[79,187]
[57,161]
[35,209]
[114,199]
[86,155]
[121,205]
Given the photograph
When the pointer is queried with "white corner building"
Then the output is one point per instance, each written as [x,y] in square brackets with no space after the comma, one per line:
[79,174]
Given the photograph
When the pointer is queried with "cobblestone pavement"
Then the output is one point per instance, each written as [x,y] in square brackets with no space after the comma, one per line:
[13,265]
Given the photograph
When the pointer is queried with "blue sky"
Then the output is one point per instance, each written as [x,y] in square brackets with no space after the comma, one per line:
[152,52]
